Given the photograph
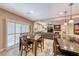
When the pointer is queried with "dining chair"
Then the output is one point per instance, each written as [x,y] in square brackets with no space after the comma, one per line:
[26,45]
[40,42]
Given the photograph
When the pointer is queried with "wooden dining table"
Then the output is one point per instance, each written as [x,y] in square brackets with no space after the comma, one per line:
[34,39]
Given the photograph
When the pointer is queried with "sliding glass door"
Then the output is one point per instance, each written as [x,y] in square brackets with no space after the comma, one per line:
[13,32]
[18,31]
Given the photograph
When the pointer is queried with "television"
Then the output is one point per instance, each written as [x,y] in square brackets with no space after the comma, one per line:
[50,29]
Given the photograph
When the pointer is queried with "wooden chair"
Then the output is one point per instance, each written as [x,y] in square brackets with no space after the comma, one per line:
[56,48]
[40,42]
[26,44]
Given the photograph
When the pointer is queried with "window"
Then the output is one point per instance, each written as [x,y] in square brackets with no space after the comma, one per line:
[23,28]
[14,30]
[11,27]
[18,28]
[11,31]
[17,38]
[27,28]
[18,31]
[11,39]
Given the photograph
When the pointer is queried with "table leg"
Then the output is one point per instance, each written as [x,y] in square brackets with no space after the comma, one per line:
[35,48]
[20,44]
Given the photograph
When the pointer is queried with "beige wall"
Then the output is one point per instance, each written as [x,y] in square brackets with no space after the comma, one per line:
[7,15]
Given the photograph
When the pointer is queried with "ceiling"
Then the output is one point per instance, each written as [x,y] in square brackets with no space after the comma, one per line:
[39,11]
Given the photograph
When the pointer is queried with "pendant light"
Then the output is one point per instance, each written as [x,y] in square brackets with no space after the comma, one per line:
[65,12]
[71,20]
[65,23]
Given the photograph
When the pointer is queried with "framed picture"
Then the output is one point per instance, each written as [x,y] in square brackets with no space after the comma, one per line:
[76,28]
[57,27]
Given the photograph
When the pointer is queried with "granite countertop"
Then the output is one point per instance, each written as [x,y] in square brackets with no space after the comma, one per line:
[69,45]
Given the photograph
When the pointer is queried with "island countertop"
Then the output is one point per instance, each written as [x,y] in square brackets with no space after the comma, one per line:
[69,46]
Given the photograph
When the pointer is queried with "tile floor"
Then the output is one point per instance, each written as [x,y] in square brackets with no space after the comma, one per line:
[47,51]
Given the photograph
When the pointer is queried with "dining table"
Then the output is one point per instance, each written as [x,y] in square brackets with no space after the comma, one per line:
[34,39]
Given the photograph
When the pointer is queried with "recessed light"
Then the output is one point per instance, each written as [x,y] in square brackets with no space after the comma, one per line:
[30,12]
[61,13]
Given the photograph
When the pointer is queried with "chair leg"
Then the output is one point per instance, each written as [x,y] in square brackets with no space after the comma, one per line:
[25,51]
[21,51]
[32,47]
[43,43]
[41,47]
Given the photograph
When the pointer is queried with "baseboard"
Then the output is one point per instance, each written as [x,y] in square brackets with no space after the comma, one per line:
[2,49]
[8,48]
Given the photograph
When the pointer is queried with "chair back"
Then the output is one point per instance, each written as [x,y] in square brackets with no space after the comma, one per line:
[24,40]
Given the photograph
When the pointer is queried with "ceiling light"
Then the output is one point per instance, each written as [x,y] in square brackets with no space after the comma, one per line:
[65,23]
[61,13]
[71,21]
[30,12]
